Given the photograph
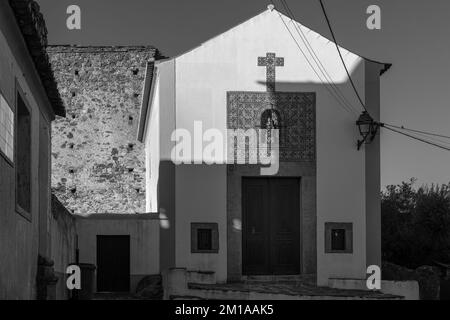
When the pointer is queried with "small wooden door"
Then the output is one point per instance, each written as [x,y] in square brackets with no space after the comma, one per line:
[113,263]
[271,226]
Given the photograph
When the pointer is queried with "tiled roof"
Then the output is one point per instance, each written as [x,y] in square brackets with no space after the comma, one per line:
[32,25]
[95,49]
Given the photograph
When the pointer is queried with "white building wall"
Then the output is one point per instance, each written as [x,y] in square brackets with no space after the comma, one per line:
[201,194]
[144,241]
[229,63]
[160,124]
[152,154]
[19,235]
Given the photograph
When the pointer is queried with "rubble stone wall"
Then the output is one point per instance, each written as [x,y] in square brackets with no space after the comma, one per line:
[97,163]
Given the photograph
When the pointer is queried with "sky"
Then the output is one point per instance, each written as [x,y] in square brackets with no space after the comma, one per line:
[414,37]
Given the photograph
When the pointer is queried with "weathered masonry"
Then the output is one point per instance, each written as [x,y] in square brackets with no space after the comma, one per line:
[97,164]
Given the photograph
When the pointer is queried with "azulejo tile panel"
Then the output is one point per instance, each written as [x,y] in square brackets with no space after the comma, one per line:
[297,119]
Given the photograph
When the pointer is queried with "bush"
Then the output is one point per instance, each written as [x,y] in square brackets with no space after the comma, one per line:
[426,276]
[415,224]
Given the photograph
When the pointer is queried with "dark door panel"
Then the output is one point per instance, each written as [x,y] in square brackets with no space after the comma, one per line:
[285,226]
[255,226]
[113,263]
[271,226]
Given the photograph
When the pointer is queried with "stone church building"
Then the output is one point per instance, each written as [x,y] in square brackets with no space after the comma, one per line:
[320,213]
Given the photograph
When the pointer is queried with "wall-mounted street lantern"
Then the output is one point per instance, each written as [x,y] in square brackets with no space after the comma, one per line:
[367,128]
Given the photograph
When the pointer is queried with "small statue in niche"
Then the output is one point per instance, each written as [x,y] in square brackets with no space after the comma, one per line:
[271,120]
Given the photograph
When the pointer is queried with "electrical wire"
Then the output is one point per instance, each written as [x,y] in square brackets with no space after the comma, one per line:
[433,139]
[418,131]
[313,54]
[423,135]
[346,108]
[419,139]
[340,55]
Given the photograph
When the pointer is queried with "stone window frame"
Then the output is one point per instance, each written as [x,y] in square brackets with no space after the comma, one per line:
[214,227]
[19,93]
[348,227]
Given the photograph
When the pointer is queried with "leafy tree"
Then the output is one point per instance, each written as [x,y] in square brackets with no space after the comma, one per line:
[415,224]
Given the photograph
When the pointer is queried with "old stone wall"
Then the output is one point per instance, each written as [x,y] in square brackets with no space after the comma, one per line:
[98,165]
[63,245]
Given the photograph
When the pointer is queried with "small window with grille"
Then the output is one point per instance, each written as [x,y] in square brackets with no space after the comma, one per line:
[204,238]
[338,237]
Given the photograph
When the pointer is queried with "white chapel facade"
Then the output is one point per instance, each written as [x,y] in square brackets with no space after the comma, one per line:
[320,213]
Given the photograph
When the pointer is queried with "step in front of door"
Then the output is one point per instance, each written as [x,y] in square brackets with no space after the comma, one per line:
[201,277]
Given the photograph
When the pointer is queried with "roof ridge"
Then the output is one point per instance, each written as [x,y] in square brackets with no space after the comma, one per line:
[271,9]
[99,46]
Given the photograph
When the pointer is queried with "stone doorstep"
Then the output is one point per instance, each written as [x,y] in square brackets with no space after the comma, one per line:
[271,291]
[408,290]
[301,287]
[202,272]
[201,276]
[182,297]
[304,278]
[116,296]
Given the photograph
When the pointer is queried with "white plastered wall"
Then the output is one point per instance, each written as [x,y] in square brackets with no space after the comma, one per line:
[229,63]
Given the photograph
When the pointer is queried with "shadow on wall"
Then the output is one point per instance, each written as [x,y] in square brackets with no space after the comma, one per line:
[63,245]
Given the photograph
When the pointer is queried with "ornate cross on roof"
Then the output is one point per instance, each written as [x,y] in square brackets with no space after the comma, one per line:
[270,61]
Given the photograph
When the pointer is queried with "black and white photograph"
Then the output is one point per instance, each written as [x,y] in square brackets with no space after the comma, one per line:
[223,156]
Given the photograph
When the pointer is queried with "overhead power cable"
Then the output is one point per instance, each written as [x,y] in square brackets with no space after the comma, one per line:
[423,134]
[340,55]
[345,107]
[423,137]
[314,56]
[417,138]
[418,131]
[433,139]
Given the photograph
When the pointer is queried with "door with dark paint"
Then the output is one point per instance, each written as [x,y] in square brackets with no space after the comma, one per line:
[271,226]
[113,263]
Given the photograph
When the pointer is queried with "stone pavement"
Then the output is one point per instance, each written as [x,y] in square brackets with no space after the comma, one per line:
[303,287]
[116,296]
[266,288]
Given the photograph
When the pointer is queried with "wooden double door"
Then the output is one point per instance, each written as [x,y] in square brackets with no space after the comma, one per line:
[271,226]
